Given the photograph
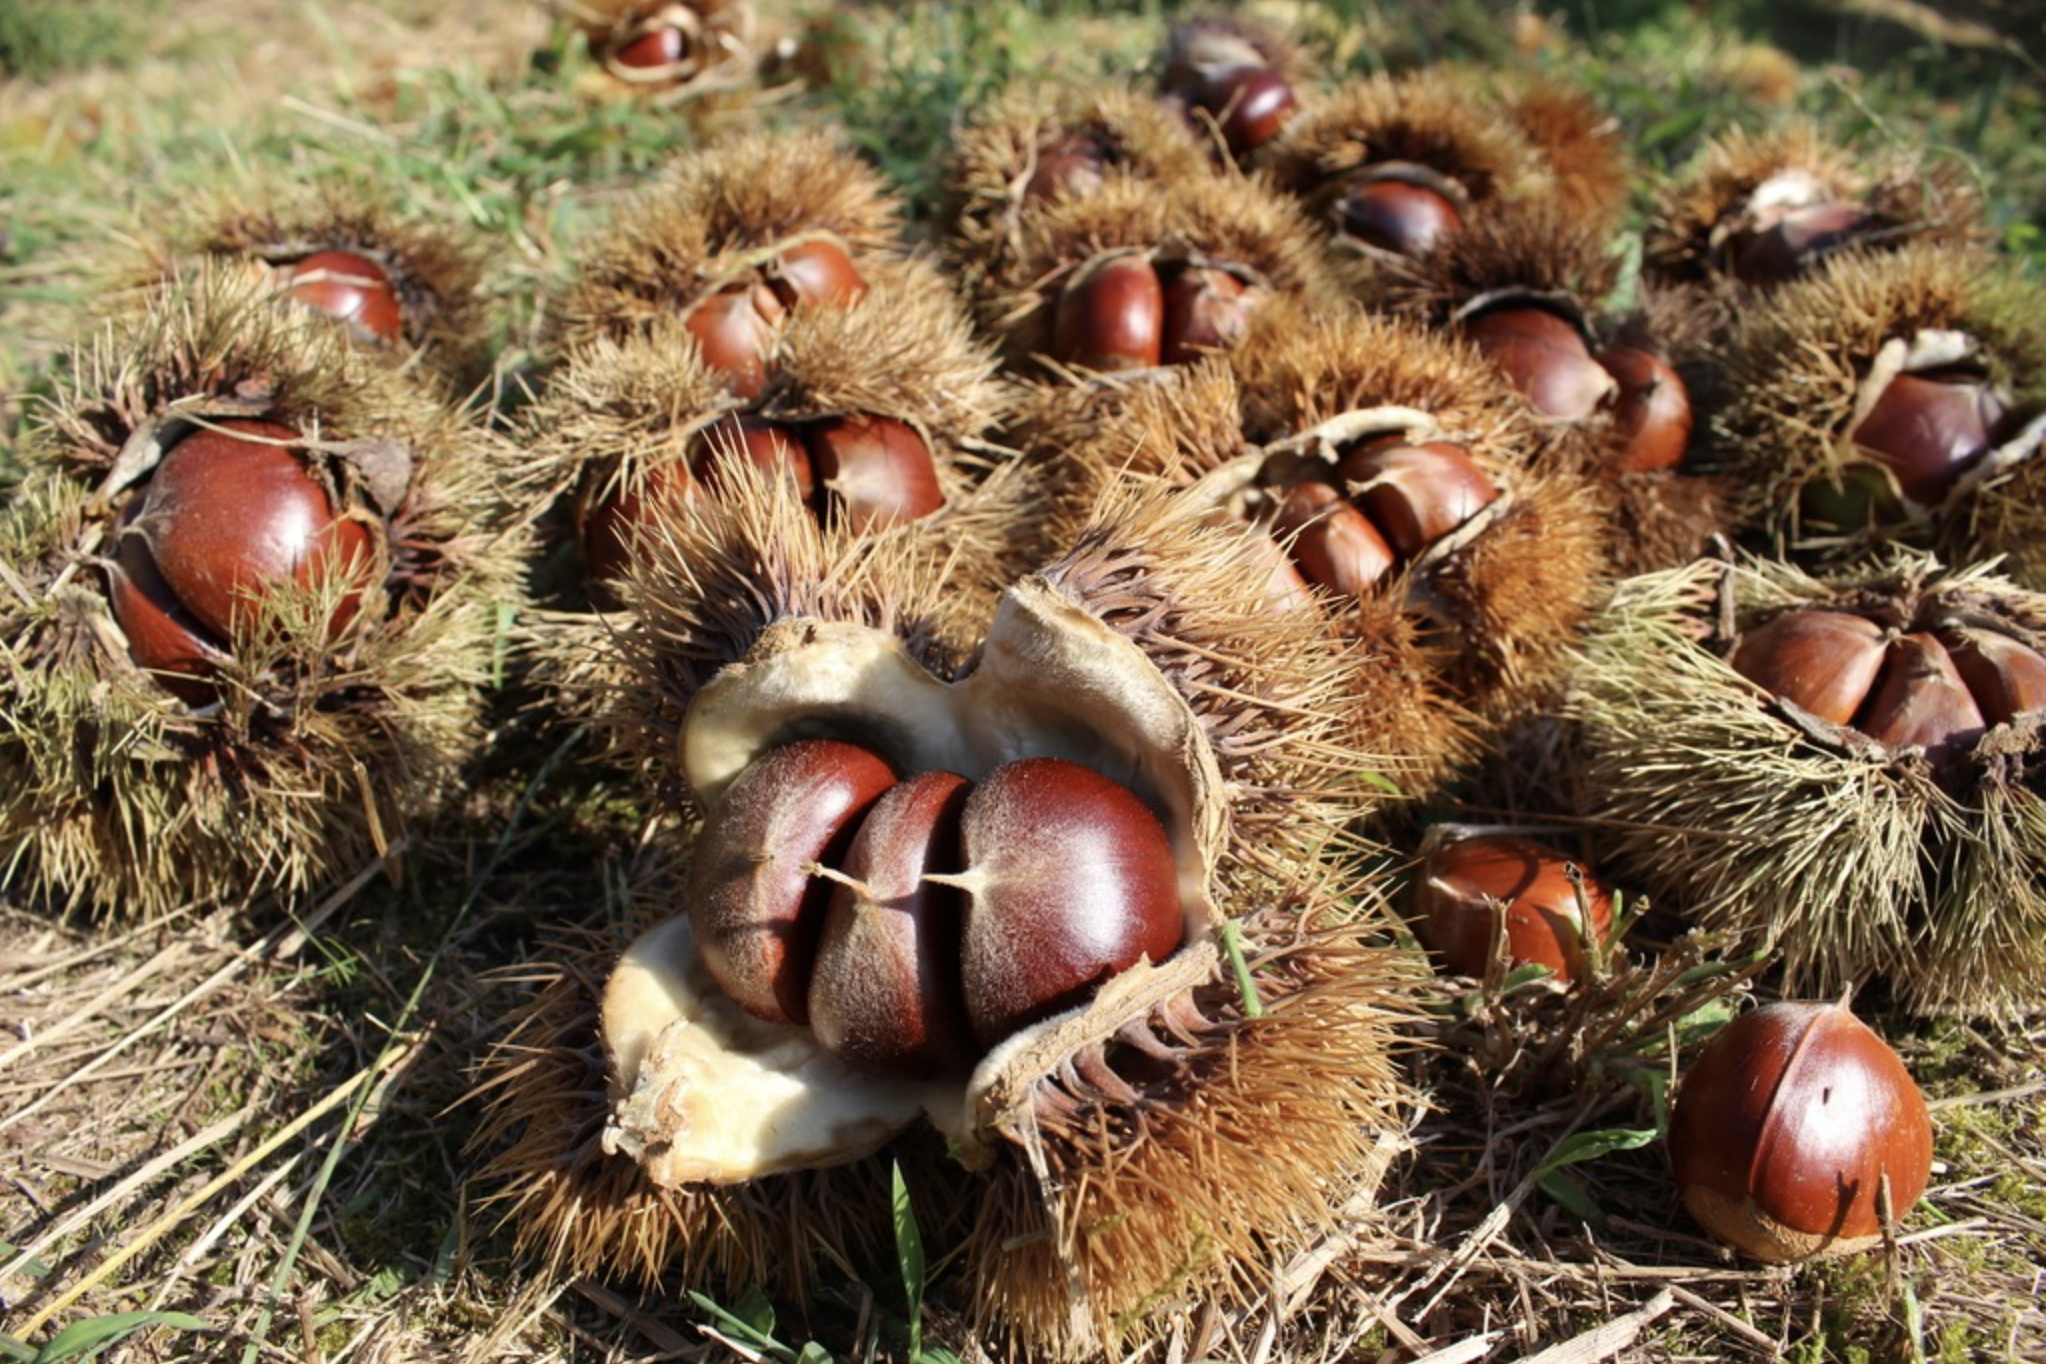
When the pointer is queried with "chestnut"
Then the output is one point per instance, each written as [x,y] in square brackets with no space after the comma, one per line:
[1251,103]
[1335,545]
[226,517]
[734,331]
[1415,494]
[817,272]
[876,471]
[1205,310]
[757,441]
[885,991]
[1545,357]
[1928,428]
[1111,316]
[1788,1125]
[1921,700]
[2006,677]
[350,286]
[1466,883]
[162,636]
[1398,216]
[754,901]
[609,519]
[1074,163]
[661,45]
[1823,662]
[1787,246]
[1651,412]
[1070,879]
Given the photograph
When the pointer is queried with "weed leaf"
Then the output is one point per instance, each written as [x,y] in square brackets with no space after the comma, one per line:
[84,1339]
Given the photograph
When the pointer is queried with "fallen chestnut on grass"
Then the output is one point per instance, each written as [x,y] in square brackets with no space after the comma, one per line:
[1796,1132]
[1465,884]
[352,287]
[228,517]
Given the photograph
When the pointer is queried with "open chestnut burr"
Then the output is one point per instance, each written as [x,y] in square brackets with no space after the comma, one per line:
[1127,310]
[886,914]
[735,324]
[1938,688]
[1228,72]
[1798,1132]
[1469,883]
[230,516]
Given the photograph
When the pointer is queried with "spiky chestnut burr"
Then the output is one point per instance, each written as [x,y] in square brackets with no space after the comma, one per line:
[1115,657]
[1035,143]
[675,49]
[407,288]
[1091,284]
[1755,210]
[1798,1132]
[245,770]
[715,234]
[1891,846]
[1891,397]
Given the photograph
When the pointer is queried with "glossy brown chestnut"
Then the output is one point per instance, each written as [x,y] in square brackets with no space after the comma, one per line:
[876,472]
[1788,247]
[162,636]
[1073,163]
[352,287]
[817,273]
[1786,1126]
[1464,883]
[611,518]
[734,331]
[1823,662]
[1415,494]
[1398,216]
[1111,316]
[1250,104]
[1929,428]
[1651,411]
[765,444]
[1070,879]
[886,993]
[1545,357]
[2006,677]
[663,45]
[1335,545]
[754,903]
[1205,310]
[1921,700]
[228,519]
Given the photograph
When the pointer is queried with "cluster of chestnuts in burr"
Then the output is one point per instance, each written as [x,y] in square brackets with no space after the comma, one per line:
[735,324]
[1939,687]
[1549,359]
[1380,506]
[231,514]
[913,922]
[1128,310]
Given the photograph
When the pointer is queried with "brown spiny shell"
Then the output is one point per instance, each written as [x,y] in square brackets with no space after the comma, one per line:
[1809,361]
[303,757]
[1852,858]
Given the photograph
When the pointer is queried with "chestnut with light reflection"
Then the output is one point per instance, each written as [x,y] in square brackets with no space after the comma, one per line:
[816,272]
[1250,104]
[1335,545]
[1111,316]
[1072,163]
[1546,357]
[1466,884]
[1929,428]
[1790,1126]
[1415,494]
[1789,245]
[873,471]
[1651,413]
[734,331]
[1398,215]
[352,287]
[661,45]
[227,518]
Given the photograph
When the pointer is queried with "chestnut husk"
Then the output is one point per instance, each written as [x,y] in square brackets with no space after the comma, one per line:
[1697,219]
[716,216]
[1108,655]
[1807,363]
[994,158]
[301,756]
[1853,860]
[436,270]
